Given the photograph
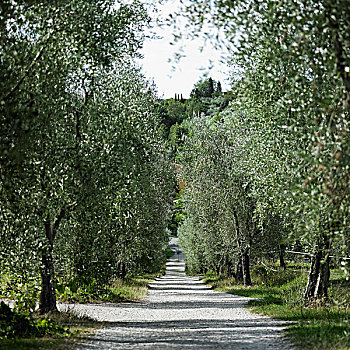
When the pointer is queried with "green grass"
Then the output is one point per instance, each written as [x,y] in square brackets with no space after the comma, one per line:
[76,329]
[280,295]
[134,288]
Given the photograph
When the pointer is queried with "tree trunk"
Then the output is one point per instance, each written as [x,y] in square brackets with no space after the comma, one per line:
[239,272]
[230,269]
[246,269]
[48,295]
[121,270]
[281,256]
[317,285]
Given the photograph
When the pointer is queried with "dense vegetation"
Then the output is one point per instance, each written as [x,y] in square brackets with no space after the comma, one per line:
[272,170]
[267,175]
[85,181]
[88,153]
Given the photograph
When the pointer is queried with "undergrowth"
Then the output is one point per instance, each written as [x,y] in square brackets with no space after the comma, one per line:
[55,330]
[77,290]
[21,327]
[279,294]
[16,324]
[132,288]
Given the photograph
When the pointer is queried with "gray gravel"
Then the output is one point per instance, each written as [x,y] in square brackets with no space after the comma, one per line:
[181,312]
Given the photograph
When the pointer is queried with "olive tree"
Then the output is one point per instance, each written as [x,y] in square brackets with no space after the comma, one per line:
[126,178]
[52,55]
[218,199]
[293,61]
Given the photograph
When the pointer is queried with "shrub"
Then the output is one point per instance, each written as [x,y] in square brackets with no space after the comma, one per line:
[14,324]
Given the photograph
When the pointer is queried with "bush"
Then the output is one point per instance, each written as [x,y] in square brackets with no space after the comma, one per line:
[293,292]
[14,324]
[87,292]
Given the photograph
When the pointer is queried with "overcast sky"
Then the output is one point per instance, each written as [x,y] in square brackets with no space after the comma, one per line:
[172,78]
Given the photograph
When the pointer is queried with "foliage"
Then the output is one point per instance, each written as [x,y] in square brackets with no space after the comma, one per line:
[132,288]
[85,181]
[218,198]
[113,217]
[14,324]
[290,112]
[169,253]
[23,289]
[176,110]
[206,98]
[203,88]
[191,242]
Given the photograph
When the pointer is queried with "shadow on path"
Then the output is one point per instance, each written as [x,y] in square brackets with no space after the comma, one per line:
[181,312]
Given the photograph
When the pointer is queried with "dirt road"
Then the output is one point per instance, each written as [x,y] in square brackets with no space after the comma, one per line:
[183,313]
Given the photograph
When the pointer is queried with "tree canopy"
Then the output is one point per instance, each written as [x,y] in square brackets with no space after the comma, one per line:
[85,181]
[88,151]
[286,130]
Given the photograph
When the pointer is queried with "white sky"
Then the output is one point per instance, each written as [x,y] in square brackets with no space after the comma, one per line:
[170,77]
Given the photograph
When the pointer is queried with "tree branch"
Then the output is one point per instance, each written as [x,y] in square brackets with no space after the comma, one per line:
[57,222]
[25,74]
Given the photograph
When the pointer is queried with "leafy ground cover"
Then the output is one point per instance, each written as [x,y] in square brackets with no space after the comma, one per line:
[117,290]
[14,324]
[59,330]
[22,329]
[280,295]
[132,288]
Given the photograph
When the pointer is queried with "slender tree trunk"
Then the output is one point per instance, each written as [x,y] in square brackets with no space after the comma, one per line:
[239,272]
[281,256]
[247,281]
[121,270]
[48,295]
[230,269]
[317,285]
[340,51]
[239,268]
[318,281]
[243,267]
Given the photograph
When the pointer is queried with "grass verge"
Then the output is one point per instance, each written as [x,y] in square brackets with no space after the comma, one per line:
[133,288]
[280,295]
[63,330]
[67,330]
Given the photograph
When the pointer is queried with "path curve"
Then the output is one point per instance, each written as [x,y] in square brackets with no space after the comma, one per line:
[182,312]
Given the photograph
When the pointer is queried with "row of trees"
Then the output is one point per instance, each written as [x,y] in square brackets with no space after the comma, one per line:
[177,115]
[206,98]
[85,181]
[273,168]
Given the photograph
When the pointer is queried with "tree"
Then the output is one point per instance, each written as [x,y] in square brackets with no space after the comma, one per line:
[218,88]
[203,89]
[217,200]
[52,115]
[294,63]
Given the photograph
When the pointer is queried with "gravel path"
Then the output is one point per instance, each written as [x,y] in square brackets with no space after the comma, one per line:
[181,312]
